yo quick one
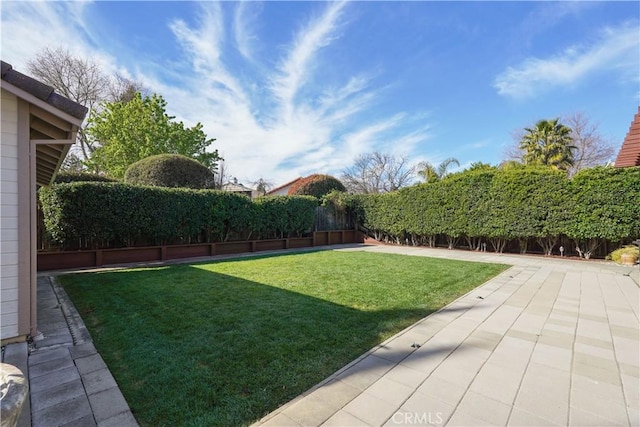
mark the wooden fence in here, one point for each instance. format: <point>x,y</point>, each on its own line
<point>60,260</point>
<point>329,219</point>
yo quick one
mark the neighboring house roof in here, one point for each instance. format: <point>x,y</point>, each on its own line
<point>53,120</point>
<point>42,91</point>
<point>283,186</point>
<point>629,154</point>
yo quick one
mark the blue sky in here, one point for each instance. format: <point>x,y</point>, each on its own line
<point>293,88</point>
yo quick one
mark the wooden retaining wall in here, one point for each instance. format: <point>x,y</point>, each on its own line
<point>60,260</point>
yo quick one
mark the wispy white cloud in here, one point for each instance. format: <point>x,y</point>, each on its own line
<point>204,45</point>
<point>294,135</point>
<point>546,15</point>
<point>245,20</point>
<point>296,67</point>
<point>262,123</point>
<point>616,48</point>
<point>29,27</point>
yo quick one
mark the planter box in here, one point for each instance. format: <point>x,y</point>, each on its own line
<point>63,260</point>
<point>188,251</point>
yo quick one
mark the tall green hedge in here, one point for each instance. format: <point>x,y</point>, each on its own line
<point>605,207</point>
<point>284,216</point>
<point>508,206</point>
<point>525,203</point>
<point>99,215</point>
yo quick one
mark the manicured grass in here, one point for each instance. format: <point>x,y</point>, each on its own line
<point>224,343</point>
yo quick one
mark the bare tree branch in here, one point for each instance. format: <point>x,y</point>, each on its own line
<point>221,176</point>
<point>123,89</point>
<point>262,186</point>
<point>82,81</point>
<point>377,173</point>
<point>591,147</point>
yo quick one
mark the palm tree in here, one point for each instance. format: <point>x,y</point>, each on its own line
<point>548,143</point>
<point>432,173</point>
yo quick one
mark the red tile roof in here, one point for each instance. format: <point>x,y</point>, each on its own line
<point>629,154</point>
<point>275,190</point>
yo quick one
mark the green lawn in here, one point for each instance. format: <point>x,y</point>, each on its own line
<point>224,343</point>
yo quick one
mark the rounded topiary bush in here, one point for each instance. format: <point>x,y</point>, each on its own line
<point>169,170</point>
<point>66,177</point>
<point>316,185</point>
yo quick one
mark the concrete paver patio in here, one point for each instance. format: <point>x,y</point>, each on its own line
<point>547,342</point>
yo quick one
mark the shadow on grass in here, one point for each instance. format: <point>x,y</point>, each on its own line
<point>190,346</point>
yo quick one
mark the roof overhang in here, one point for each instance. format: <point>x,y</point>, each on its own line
<point>52,131</point>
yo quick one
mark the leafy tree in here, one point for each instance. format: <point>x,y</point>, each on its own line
<point>130,131</point>
<point>591,148</point>
<point>431,173</point>
<point>377,173</point>
<point>548,143</point>
<point>84,82</point>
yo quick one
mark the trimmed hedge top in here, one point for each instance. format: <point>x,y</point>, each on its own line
<point>169,170</point>
<point>65,177</point>
<point>316,185</point>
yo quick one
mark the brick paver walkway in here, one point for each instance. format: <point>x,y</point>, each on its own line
<point>547,342</point>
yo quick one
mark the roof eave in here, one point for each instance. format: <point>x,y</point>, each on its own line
<point>21,93</point>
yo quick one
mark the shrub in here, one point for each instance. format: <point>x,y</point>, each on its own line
<point>615,255</point>
<point>66,177</point>
<point>169,170</point>
<point>316,185</point>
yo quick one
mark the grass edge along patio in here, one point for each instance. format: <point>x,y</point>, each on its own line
<point>226,342</point>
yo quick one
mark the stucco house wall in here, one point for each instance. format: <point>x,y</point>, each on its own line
<point>9,218</point>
